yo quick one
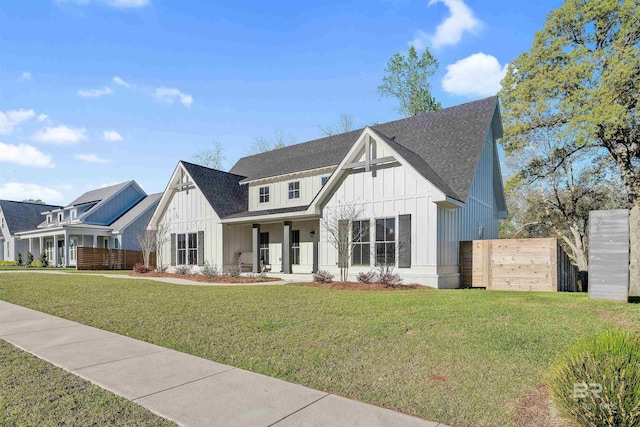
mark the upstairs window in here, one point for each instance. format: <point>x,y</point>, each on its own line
<point>60,217</point>
<point>48,219</point>
<point>73,214</point>
<point>264,194</point>
<point>294,190</point>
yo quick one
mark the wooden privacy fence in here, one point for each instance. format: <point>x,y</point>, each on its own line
<point>109,259</point>
<point>517,265</point>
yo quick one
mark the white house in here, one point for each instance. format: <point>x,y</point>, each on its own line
<point>109,217</point>
<point>422,184</point>
<point>14,218</point>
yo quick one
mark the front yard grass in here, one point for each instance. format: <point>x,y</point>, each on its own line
<point>462,357</point>
<point>36,393</point>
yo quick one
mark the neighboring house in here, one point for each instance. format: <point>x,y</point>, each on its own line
<point>14,218</point>
<point>109,217</point>
<point>423,184</point>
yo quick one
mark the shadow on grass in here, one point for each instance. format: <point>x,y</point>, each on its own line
<point>634,299</point>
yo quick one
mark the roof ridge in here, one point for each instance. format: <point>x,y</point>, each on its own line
<point>29,203</point>
<point>211,169</point>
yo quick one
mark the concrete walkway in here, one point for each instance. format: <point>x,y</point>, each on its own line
<point>186,389</point>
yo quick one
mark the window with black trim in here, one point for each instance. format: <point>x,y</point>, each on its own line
<point>187,249</point>
<point>386,242</point>
<point>264,248</point>
<point>360,237</point>
<point>264,194</point>
<point>294,190</point>
<point>295,247</point>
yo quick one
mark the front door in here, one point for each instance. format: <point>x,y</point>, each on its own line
<point>61,252</point>
<point>73,250</point>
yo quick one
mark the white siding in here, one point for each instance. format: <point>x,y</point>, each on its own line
<point>310,185</point>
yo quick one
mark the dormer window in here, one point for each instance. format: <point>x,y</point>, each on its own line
<point>264,194</point>
<point>294,190</point>
<point>48,219</point>
<point>73,214</point>
<point>60,217</point>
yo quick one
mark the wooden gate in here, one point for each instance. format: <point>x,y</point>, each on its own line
<point>539,265</point>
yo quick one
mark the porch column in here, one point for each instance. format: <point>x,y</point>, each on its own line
<point>95,241</point>
<point>31,245</point>
<point>66,249</point>
<point>286,248</point>
<point>55,250</point>
<point>40,248</point>
<point>255,238</point>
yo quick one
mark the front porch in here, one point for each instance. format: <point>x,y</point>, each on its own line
<point>277,247</point>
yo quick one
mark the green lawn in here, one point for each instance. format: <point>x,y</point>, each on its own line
<point>462,357</point>
<point>64,270</point>
<point>36,393</point>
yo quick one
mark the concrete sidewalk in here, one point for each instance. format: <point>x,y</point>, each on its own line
<point>186,389</point>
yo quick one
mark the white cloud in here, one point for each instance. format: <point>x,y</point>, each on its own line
<point>94,93</point>
<point>43,118</point>
<point>13,118</point>
<point>479,74</point>
<point>450,31</point>
<point>24,155</point>
<point>61,135</point>
<point>117,80</point>
<point>91,158</point>
<point>170,95</point>
<point>111,135</point>
<point>25,75</point>
<point>22,191</point>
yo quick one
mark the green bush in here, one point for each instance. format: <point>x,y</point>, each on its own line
<point>597,381</point>
<point>234,273</point>
<point>19,258</point>
<point>44,261</point>
<point>210,271</point>
<point>36,263</point>
<point>7,263</point>
<point>29,259</point>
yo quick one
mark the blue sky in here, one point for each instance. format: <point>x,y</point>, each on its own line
<point>94,92</point>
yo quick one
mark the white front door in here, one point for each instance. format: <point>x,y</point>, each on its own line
<point>73,250</point>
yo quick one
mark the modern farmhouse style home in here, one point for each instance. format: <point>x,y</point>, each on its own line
<point>420,185</point>
<point>14,218</point>
<point>109,217</point>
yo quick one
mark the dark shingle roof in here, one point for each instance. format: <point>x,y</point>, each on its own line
<point>443,145</point>
<point>222,189</point>
<point>98,194</point>
<point>23,216</point>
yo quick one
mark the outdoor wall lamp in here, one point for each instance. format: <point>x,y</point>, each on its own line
<point>312,233</point>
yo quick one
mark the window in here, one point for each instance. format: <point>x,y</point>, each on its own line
<point>48,219</point>
<point>386,242</point>
<point>73,248</point>
<point>294,190</point>
<point>187,249</point>
<point>361,254</point>
<point>264,194</point>
<point>48,250</point>
<point>264,248</point>
<point>324,180</point>
<point>116,243</point>
<point>60,217</point>
<point>295,247</point>
<point>73,214</point>
<point>193,248</point>
<point>106,243</point>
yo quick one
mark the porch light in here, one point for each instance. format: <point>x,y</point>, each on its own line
<point>312,233</point>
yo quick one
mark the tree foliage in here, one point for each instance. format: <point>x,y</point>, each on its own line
<point>213,157</point>
<point>407,79</point>
<point>582,75</point>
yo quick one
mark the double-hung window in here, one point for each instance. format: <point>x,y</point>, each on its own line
<point>295,247</point>
<point>386,242</point>
<point>182,249</point>
<point>187,249</point>
<point>360,240</point>
<point>294,190</point>
<point>264,194</point>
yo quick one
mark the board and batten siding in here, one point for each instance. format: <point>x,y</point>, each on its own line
<point>388,192</point>
<point>115,207</point>
<point>310,185</point>
<point>190,212</point>
<point>478,219</point>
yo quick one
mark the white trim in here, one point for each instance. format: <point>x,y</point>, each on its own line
<point>281,177</point>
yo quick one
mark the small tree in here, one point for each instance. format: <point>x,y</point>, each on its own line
<point>162,236</point>
<point>212,158</point>
<point>29,259</point>
<point>147,242</point>
<point>341,234</point>
<point>345,124</point>
<point>19,258</point>
<point>262,144</point>
<point>44,260</point>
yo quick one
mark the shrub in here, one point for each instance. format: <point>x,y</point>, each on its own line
<point>36,263</point>
<point>44,262</point>
<point>388,278</point>
<point>323,276</point>
<point>209,271</point>
<point>140,268</point>
<point>29,259</point>
<point>7,263</point>
<point>597,381</point>
<point>234,273</point>
<point>19,258</point>
<point>367,277</point>
<point>183,270</point>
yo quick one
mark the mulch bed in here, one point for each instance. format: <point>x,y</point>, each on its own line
<point>223,278</point>
<point>357,286</point>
